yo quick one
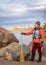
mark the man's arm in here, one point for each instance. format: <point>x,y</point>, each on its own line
<point>28,33</point>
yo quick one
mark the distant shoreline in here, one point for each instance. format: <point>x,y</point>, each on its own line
<point>20,29</point>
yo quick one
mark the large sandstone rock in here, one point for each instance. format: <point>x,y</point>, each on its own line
<point>12,46</point>
<point>6,37</point>
<point>12,51</point>
<point>10,37</point>
<point>44,48</point>
<point>6,51</point>
<point>4,30</point>
<point>44,28</point>
<point>7,54</point>
<point>26,51</point>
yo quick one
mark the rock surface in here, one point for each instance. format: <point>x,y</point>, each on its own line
<point>6,37</point>
<point>6,51</point>
<point>26,51</point>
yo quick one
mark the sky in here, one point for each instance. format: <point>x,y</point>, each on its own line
<point>21,12</point>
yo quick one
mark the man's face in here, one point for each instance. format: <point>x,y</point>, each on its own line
<point>37,26</point>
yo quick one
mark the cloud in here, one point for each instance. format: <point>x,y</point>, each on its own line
<point>17,10</point>
<point>12,10</point>
<point>19,7</point>
<point>21,11</point>
<point>42,2</point>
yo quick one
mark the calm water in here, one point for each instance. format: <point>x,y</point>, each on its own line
<point>26,39</point>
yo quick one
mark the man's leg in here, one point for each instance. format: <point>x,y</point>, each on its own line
<point>34,47</point>
<point>40,53</point>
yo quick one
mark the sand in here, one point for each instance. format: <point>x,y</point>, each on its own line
<point>18,63</point>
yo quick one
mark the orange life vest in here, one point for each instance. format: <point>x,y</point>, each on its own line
<point>39,35</point>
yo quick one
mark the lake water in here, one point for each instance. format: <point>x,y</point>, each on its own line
<point>25,39</point>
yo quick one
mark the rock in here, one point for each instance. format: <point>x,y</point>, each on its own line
<point>2,51</point>
<point>1,36</point>
<point>6,51</point>
<point>44,28</point>
<point>6,37</point>
<point>7,54</point>
<point>12,46</point>
<point>4,42</point>
<point>11,38</point>
<point>44,48</point>
<point>26,51</point>
<point>2,59</point>
<point>2,29</point>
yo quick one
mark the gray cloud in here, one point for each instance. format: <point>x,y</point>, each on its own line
<point>12,11</point>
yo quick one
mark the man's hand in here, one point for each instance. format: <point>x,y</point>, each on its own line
<point>41,44</point>
<point>23,33</point>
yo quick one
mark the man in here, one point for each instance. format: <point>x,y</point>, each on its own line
<point>38,39</point>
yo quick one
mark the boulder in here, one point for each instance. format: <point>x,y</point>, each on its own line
<point>2,50</point>
<point>2,29</point>
<point>6,51</point>
<point>44,48</point>
<point>44,28</point>
<point>6,37</point>
<point>4,42</point>
<point>7,54</point>
<point>12,46</point>
<point>26,51</point>
<point>11,38</point>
